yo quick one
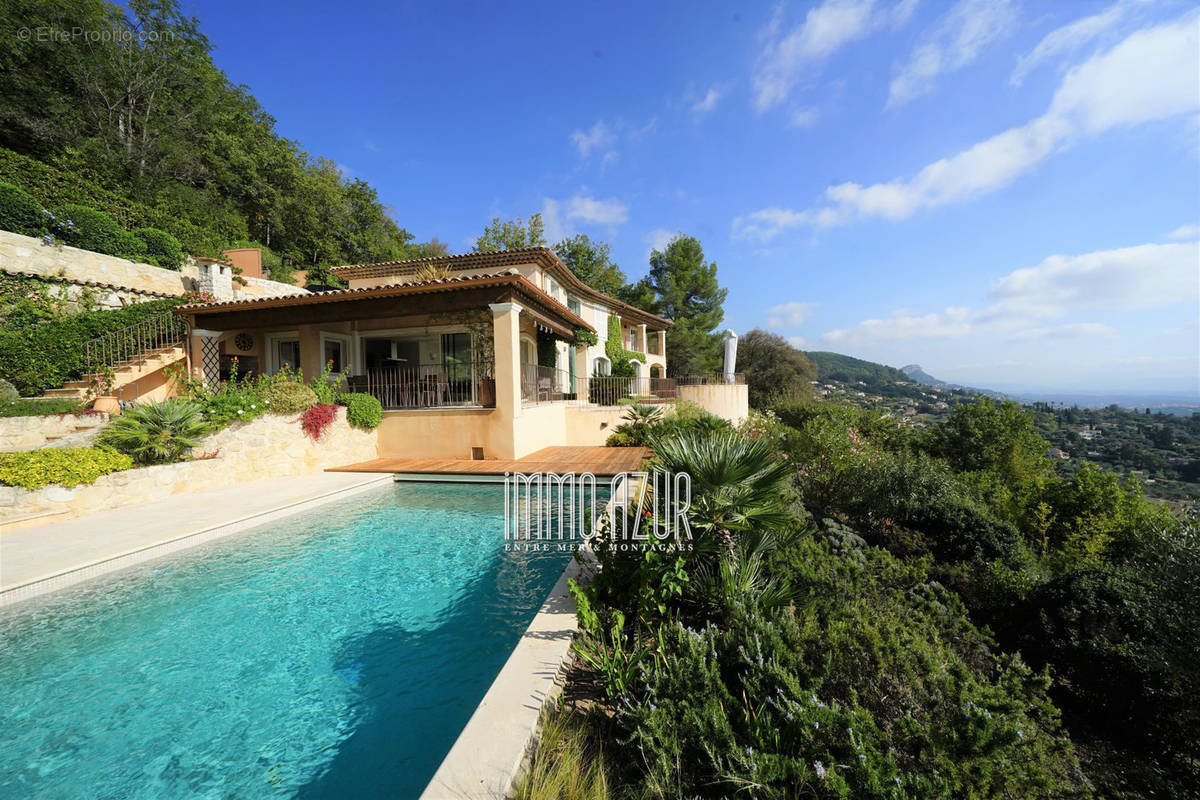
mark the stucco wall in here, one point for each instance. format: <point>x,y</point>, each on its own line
<point>53,430</point>
<point>727,401</point>
<point>442,434</point>
<point>451,433</point>
<point>268,447</point>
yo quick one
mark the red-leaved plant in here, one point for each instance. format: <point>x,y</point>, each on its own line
<point>314,421</point>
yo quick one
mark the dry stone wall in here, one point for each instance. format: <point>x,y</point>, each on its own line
<point>112,279</point>
<point>55,430</point>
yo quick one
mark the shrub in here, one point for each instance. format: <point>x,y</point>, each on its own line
<point>162,249</point>
<point>285,396</point>
<point>362,410</point>
<point>34,469</point>
<point>89,229</point>
<point>20,213</point>
<point>317,419</point>
<point>42,356</point>
<point>157,433</point>
<point>874,685</point>
<point>25,407</point>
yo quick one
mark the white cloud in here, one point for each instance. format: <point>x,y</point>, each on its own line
<point>555,227</point>
<point>767,223</point>
<point>591,211</point>
<point>658,238</point>
<point>1185,232</point>
<point>599,138</point>
<point>1149,76</point>
<point>797,342</point>
<point>789,315</point>
<point>709,102</point>
<point>903,324</point>
<point>955,41</point>
<point>1077,330</point>
<point>804,117</point>
<point>1145,276</point>
<point>827,27</point>
<point>1069,38</point>
<point>559,216</point>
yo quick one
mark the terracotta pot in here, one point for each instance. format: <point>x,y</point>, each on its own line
<point>487,392</point>
<point>110,405</point>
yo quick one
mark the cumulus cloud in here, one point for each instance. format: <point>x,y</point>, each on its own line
<point>1185,232</point>
<point>599,138</point>
<point>1069,38</point>
<point>1151,75</point>
<point>1128,278</point>
<point>560,216</point>
<point>797,342</point>
<point>591,211</point>
<point>789,315</point>
<point>827,27</point>
<point>954,42</point>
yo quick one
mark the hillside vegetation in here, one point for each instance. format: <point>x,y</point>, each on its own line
<point>143,125</point>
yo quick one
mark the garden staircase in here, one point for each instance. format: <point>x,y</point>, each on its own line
<point>130,354</point>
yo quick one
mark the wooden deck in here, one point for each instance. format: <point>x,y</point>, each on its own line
<point>559,460</point>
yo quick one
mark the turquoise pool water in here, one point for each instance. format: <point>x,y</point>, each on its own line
<point>335,654</point>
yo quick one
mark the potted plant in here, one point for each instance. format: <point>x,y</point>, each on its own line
<point>101,391</point>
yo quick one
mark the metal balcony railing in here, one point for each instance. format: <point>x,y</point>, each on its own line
<point>429,385</point>
<point>118,347</point>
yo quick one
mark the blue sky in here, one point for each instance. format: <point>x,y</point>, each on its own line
<point>1007,193</point>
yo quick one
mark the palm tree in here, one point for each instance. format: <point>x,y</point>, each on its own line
<point>156,433</point>
<point>738,484</point>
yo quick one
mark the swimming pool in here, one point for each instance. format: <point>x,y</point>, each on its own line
<point>334,654</point>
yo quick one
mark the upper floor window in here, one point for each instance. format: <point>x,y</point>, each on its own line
<point>573,304</point>
<point>553,289</point>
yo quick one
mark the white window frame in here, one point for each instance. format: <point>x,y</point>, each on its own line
<point>273,340</point>
<point>347,353</point>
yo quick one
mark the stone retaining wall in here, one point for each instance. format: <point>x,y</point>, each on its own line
<point>54,430</point>
<point>112,279</point>
<point>268,447</point>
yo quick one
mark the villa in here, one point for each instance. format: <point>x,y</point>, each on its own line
<point>475,356</point>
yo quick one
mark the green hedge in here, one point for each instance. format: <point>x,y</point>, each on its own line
<point>89,229</point>
<point>34,469</point>
<point>40,357</point>
<point>19,212</point>
<point>162,249</point>
<point>362,410</point>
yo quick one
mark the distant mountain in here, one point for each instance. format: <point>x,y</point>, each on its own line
<point>847,369</point>
<point>919,375</point>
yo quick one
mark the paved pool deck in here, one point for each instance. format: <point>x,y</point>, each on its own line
<point>48,557</point>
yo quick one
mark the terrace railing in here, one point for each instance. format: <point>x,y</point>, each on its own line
<point>133,341</point>
<point>429,385</point>
<point>711,379</point>
<point>611,390</point>
<point>544,384</point>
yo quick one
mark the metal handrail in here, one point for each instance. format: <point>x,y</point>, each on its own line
<point>126,344</point>
<point>429,385</point>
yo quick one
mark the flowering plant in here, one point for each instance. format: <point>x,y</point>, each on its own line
<point>316,420</point>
